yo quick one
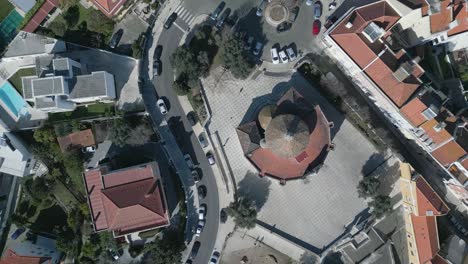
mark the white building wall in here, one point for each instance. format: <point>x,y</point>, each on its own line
<point>17,161</point>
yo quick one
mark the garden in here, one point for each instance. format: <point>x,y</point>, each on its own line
<point>15,79</point>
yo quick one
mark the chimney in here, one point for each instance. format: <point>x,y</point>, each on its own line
<point>349,24</point>
<point>440,126</point>
<point>405,70</point>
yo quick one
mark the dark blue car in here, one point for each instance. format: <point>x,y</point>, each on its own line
<point>17,233</point>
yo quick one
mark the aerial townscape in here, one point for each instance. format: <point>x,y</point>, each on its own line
<point>235,131</point>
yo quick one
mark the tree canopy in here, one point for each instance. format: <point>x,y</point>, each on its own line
<point>368,186</point>
<point>234,57</point>
<point>381,205</point>
<point>244,212</point>
<point>166,250</point>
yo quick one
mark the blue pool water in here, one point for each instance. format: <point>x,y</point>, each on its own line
<point>12,99</point>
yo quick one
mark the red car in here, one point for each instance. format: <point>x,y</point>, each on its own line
<point>316,27</point>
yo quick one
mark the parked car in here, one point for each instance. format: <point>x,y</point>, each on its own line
<point>170,20</point>
<point>274,55</point>
<point>309,2</point>
<point>195,248</point>
<point>218,10</point>
<point>261,8</point>
<point>317,9</point>
<point>214,257</point>
<point>210,157</point>
<point>202,212</point>
<point>116,39</point>
<point>189,261</point>
<point>223,18</point>
<point>162,106</point>
<point>202,191</point>
<point>200,226</point>
<point>283,27</point>
<point>157,68</point>
<point>223,216</point>
<point>89,149</point>
<point>291,54</point>
<point>258,48</point>
<point>189,161</point>
<point>316,27</point>
<point>195,176</point>
<point>17,233</point>
<point>202,139</point>
<point>192,118</point>
<point>294,13</point>
<point>284,58</point>
<point>249,45</point>
<point>115,255</point>
<point>157,52</point>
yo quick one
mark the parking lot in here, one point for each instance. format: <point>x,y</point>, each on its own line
<point>311,211</point>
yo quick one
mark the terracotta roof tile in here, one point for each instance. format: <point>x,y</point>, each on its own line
<point>427,239</point>
<point>438,260</point>
<point>448,153</point>
<point>398,92</point>
<point>356,48</point>
<point>460,13</point>
<point>412,111</point>
<point>11,257</point>
<point>109,7</point>
<point>428,199</point>
<point>438,136</point>
<point>440,21</point>
<point>132,201</point>
<point>84,138</point>
<point>40,15</point>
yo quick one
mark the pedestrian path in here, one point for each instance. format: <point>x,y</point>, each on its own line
<point>184,14</point>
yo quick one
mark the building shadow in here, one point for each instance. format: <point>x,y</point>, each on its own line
<point>182,137</point>
<point>254,188</point>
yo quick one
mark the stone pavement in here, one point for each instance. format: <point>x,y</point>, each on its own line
<point>311,212</point>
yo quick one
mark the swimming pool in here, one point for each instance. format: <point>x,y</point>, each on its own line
<point>8,26</point>
<point>12,99</point>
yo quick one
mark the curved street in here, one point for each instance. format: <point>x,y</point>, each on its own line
<point>182,140</point>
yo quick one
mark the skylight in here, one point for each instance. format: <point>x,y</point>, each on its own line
<point>373,32</point>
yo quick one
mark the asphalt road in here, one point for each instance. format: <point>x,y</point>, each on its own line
<point>188,141</point>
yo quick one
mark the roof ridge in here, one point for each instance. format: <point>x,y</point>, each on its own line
<point>120,185</point>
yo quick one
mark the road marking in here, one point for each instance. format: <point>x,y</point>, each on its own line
<point>182,13</point>
<point>191,20</point>
<point>177,25</point>
<point>178,8</point>
<point>190,16</point>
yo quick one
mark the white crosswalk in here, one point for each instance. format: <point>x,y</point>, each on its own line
<point>184,14</point>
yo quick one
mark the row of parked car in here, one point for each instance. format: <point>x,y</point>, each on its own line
<point>284,55</point>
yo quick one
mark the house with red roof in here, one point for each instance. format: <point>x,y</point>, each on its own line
<point>422,207</point>
<point>48,7</point>
<point>126,201</point>
<point>80,139</point>
<point>109,7</point>
<point>40,250</point>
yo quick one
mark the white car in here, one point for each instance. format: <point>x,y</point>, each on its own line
<point>309,2</point>
<point>189,161</point>
<point>284,58</point>
<point>200,226</point>
<point>274,56</point>
<point>202,212</point>
<point>258,48</point>
<point>162,106</point>
<point>214,257</point>
<point>291,54</point>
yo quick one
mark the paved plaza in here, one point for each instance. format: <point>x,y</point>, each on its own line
<point>312,211</point>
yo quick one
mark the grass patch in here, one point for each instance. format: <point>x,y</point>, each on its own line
<point>62,194</point>
<point>5,10</point>
<point>81,112</point>
<point>149,234</point>
<point>15,80</point>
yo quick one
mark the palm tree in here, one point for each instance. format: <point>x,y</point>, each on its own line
<point>244,212</point>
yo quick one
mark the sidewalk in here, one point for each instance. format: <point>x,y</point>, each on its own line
<point>225,187</point>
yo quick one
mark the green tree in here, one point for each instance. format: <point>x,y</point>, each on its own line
<point>88,250</point>
<point>180,87</point>
<point>187,64</point>
<point>18,220</point>
<point>234,57</point>
<point>98,22</point>
<point>58,28</point>
<point>381,205</point>
<point>44,135</point>
<point>166,250</point>
<point>72,16</point>
<point>368,186</point>
<point>39,188</point>
<point>107,240</point>
<point>120,132</point>
<point>244,212</point>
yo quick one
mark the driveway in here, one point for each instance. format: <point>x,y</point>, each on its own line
<point>132,27</point>
<point>313,211</point>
